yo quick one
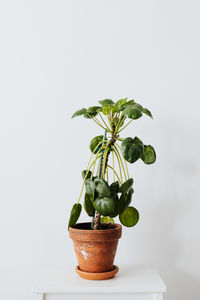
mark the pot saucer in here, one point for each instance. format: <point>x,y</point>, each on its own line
<point>98,276</point>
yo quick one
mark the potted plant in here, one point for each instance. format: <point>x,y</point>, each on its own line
<point>108,187</point>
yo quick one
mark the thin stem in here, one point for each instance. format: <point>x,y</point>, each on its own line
<point>86,177</point>
<point>107,174</point>
<point>104,159</point>
<point>96,153</point>
<point>124,160</point>
<point>118,124</point>
<point>124,126</point>
<point>120,181</point>
<point>119,139</point>
<point>95,118</point>
<point>120,170</point>
<point>121,162</point>
<point>109,120</point>
<point>98,167</point>
<point>113,164</point>
<point>105,123</point>
<point>96,121</point>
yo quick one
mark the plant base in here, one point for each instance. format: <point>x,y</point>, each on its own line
<point>97,276</point>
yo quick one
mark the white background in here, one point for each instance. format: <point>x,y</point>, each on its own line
<point>59,56</point>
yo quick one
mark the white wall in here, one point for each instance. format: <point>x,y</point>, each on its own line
<point>59,56</point>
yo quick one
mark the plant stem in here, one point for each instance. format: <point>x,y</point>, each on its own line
<point>113,163</point>
<point>124,161</point>
<point>105,158</point>
<point>105,123</point>
<point>96,121</point>
<point>96,153</point>
<point>107,174</point>
<point>121,162</point>
<point>120,170</point>
<point>118,124</point>
<point>95,224</point>
<point>86,177</point>
<point>124,126</point>
<point>115,173</point>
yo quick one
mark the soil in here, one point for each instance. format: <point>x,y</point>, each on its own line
<point>87,226</point>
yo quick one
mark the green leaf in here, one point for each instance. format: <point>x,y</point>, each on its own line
<point>121,102</point>
<point>149,155</point>
<point>106,110</point>
<point>132,149</point>
<point>147,112</point>
<point>107,102</point>
<point>116,207</point>
<point>79,112</point>
<point>90,188</point>
<point>94,109</point>
<point>94,142</point>
<point>75,214</point>
<point>122,202</point>
<point>84,172</point>
<point>139,106</point>
<point>107,220</point>
<point>129,197</point>
<point>88,205</point>
<point>105,206</point>
<point>122,107</point>
<point>90,115</point>
<point>129,217</point>
<point>125,187</point>
<point>114,188</point>
<point>132,112</point>
<point>102,187</point>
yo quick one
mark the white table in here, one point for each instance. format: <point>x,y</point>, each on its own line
<point>135,282</point>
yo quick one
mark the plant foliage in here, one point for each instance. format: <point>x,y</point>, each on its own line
<point>101,197</point>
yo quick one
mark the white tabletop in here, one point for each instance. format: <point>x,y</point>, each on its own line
<point>130,279</point>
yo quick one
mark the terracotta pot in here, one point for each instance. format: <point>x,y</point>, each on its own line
<point>95,249</point>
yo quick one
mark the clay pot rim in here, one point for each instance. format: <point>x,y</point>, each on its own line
<point>116,227</point>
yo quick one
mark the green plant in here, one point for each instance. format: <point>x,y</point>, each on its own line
<point>104,201</point>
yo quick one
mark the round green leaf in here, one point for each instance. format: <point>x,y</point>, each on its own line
<point>149,155</point>
<point>84,172</point>
<point>132,149</point>
<point>88,205</point>
<point>79,112</point>
<point>90,188</point>
<point>114,188</point>
<point>106,102</point>
<point>75,213</point>
<point>124,188</point>
<point>105,206</point>
<point>94,142</point>
<point>107,220</point>
<point>102,187</point>
<point>132,112</point>
<point>129,217</point>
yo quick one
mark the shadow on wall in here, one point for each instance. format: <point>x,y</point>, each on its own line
<point>180,285</point>
<point>175,215</point>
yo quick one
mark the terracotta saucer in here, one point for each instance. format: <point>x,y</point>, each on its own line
<point>97,276</point>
